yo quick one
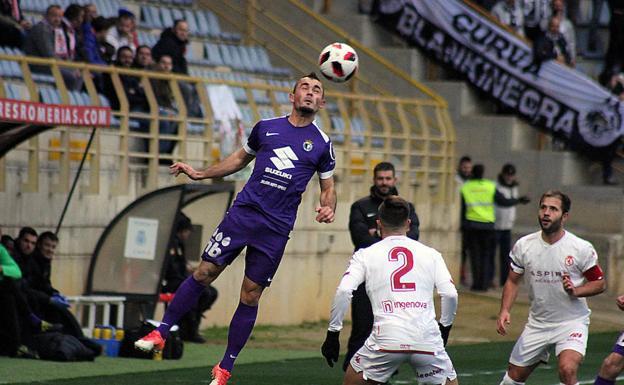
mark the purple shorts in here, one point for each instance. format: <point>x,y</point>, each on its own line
<point>243,227</point>
<point>619,345</point>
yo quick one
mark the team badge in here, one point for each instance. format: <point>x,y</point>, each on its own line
<point>308,145</point>
<point>569,261</point>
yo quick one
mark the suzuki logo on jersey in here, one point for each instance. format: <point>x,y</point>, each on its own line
<point>284,158</point>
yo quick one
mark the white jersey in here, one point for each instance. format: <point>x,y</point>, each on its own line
<point>543,266</point>
<point>401,275</point>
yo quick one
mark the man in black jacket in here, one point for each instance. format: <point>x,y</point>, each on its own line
<point>364,233</point>
<point>178,269</point>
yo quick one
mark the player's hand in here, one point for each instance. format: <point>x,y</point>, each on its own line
<point>620,302</point>
<point>504,320</point>
<point>445,331</point>
<point>568,286</point>
<point>325,214</point>
<point>183,168</point>
<point>331,348</point>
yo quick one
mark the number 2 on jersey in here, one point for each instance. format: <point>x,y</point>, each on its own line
<point>397,254</point>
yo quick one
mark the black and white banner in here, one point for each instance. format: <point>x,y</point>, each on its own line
<point>549,95</point>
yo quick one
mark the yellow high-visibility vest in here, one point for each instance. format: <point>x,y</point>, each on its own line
<point>479,199</point>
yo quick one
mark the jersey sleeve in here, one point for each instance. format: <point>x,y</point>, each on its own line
<point>351,279</point>
<point>516,258</point>
<point>589,258</point>
<point>253,142</point>
<point>327,162</point>
<point>447,291</point>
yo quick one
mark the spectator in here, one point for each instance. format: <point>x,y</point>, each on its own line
<point>12,24</point>
<point>509,13</point>
<point>558,10</point>
<point>88,50</point>
<point>101,50</point>
<point>552,45</point>
<point>534,12</point>
<point>143,58</point>
<point>91,12</point>
<point>507,186</point>
<point>123,33</point>
<point>616,85</point>
<point>73,18</point>
<point>176,271</point>
<point>464,171</point>
<point>166,103</point>
<point>51,38</point>
<point>131,84</point>
<point>33,258</point>
<point>614,57</point>
<point>173,42</point>
<point>8,242</point>
<point>478,198</point>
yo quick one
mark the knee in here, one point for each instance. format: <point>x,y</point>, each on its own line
<point>205,275</point>
<point>612,366</point>
<point>250,298</point>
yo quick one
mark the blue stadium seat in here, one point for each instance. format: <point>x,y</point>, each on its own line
<point>166,17</point>
<point>189,16</point>
<point>213,55</point>
<point>202,23</point>
<point>177,14</point>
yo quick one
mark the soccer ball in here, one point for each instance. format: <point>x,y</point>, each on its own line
<point>338,62</point>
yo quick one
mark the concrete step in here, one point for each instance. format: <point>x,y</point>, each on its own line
<point>462,98</point>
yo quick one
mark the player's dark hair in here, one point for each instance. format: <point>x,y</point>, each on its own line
<point>26,231</point>
<point>477,171</point>
<point>73,11</point>
<point>394,212</point>
<point>383,166</point>
<point>47,235</point>
<point>566,203</point>
<point>311,75</point>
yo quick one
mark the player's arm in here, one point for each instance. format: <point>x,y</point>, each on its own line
<point>233,163</point>
<point>510,292</point>
<point>327,208</point>
<point>351,279</point>
<point>448,298</point>
<point>594,283</point>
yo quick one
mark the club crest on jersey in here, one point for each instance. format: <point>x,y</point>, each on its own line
<point>308,145</point>
<point>569,260</point>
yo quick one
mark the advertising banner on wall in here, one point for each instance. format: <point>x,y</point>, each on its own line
<point>550,95</point>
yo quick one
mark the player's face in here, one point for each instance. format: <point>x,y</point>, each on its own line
<point>48,248</point>
<point>27,244</point>
<point>551,218</point>
<point>384,182</point>
<point>308,96</point>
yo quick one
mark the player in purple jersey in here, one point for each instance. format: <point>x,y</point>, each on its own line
<point>288,151</point>
<point>613,365</point>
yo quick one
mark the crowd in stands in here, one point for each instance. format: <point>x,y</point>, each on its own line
<point>34,313</point>
<point>78,33</point>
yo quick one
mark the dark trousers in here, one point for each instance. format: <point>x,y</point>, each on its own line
<point>189,323</point>
<point>481,244</point>
<point>15,329</point>
<point>615,53</point>
<point>503,239</point>
<point>362,323</point>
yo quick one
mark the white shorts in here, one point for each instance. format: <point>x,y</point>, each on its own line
<point>535,341</point>
<point>379,366</point>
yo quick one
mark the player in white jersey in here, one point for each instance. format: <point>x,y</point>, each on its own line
<point>614,363</point>
<point>560,269</point>
<point>401,275</point>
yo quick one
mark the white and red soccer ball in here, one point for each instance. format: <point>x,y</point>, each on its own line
<point>338,62</point>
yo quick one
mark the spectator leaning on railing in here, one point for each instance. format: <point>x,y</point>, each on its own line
<point>143,58</point>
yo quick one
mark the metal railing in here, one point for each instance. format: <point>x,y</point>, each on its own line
<point>416,134</point>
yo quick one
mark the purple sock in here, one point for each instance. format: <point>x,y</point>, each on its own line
<point>240,329</point>
<point>185,298</point>
<point>602,381</point>
<point>34,320</point>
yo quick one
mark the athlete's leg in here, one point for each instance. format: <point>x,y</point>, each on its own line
<point>569,362</point>
<point>353,378</point>
<point>242,322</point>
<point>611,367</point>
<point>187,294</point>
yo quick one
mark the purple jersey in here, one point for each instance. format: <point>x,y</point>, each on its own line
<point>286,159</point>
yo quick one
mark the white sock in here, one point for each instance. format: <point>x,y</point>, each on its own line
<point>508,381</point>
